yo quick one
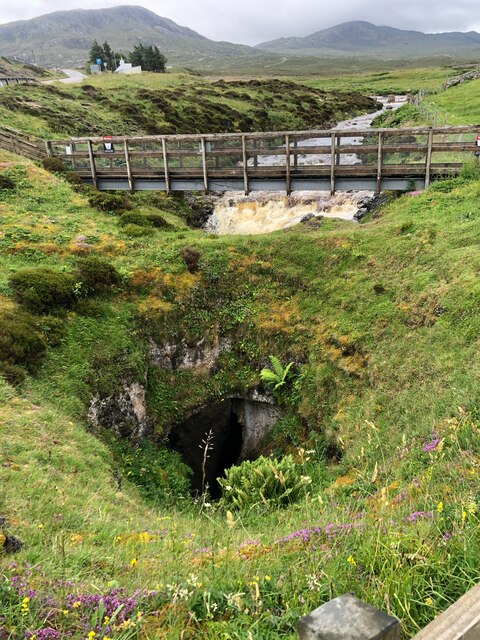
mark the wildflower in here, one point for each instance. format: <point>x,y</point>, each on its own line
<point>133,562</point>
<point>440,507</point>
<point>267,578</point>
<point>24,606</point>
<point>464,516</point>
<point>431,446</point>
<point>76,604</point>
<point>91,635</point>
<point>428,602</point>
<point>351,560</point>
<point>106,620</point>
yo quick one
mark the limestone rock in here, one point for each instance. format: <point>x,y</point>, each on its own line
<point>201,357</point>
<point>125,413</point>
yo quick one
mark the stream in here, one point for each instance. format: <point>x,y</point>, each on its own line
<point>267,211</point>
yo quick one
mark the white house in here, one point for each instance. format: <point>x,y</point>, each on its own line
<point>127,68</point>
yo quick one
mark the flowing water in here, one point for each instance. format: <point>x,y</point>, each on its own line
<point>267,211</point>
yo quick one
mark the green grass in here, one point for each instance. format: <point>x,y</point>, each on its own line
<point>462,103</point>
<point>382,322</point>
<point>173,103</point>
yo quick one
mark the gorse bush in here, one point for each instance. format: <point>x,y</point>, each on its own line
<point>96,275</point>
<point>264,481</point>
<point>42,290</point>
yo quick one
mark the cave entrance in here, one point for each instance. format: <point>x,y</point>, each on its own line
<point>219,425</point>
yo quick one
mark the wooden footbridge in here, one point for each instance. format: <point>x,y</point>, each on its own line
<point>333,160</point>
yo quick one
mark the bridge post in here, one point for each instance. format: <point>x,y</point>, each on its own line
<point>332,164</point>
<point>165,165</point>
<point>379,162</point>
<point>129,168</point>
<point>48,148</point>
<point>204,164</point>
<point>287,166</point>
<point>92,164</point>
<point>428,163</point>
<point>245,165</point>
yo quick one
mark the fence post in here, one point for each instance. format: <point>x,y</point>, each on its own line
<point>348,618</point>
<point>245,165</point>
<point>379,162</point>
<point>204,164</point>
<point>332,165</point>
<point>129,167</point>
<point>429,159</point>
<point>287,165</point>
<point>165,165</point>
<point>92,164</point>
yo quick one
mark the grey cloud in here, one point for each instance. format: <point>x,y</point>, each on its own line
<point>253,21</point>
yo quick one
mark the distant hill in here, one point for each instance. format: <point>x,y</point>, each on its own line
<point>63,38</point>
<point>367,39</point>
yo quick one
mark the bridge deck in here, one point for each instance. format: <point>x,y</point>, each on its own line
<point>373,159</point>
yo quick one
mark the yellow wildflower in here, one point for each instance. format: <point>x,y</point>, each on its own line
<point>440,507</point>
<point>267,578</point>
<point>133,562</point>
<point>76,604</point>
<point>428,602</point>
<point>106,620</point>
<point>351,560</point>
<point>91,635</point>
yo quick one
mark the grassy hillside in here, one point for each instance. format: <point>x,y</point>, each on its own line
<point>381,322</point>
<point>173,103</point>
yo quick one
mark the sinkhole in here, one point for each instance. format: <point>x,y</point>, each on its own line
<point>220,435</point>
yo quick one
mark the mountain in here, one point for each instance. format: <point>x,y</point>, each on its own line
<point>365,38</point>
<point>63,38</point>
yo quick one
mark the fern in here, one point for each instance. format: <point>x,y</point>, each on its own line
<point>278,376</point>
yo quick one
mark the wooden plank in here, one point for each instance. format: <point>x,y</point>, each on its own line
<point>288,182</point>
<point>165,165</point>
<point>332,164</point>
<point>429,159</point>
<point>204,164</point>
<point>295,153</point>
<point>460,622</point>
<point>379,162</point>
<point>314,133</point>
<point>129,168</point>
<point>93,169</point>
<point>48,148</point>
<point>245,165</point>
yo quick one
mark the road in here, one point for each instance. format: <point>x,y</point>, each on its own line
<point>74,77</point>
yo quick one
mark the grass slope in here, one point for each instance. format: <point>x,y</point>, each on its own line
<point>382,322</point>
<point>172,103</point>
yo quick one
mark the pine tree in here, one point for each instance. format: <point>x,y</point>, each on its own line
<point>108,56</point>
<point>95,53</point>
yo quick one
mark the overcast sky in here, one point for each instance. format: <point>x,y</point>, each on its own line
<point>254,21</point>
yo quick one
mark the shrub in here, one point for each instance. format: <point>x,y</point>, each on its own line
<point>96,275</point>
<point>6,183</point>
<point>134,217</point>
<point>136,231</point>
<point>264,481</point>
<point>42,290</point>
<point>13,373</point>
<point>158,221</point>
<point>54,165</point>
<point>109,202</point>
<point>21,345</point>
<point>191,258</point>
<point>471,169</point>
<point>278,375</point>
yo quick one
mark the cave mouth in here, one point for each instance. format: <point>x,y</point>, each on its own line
<point>219,425</point>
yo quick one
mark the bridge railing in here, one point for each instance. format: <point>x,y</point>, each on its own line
<point>22,144</point>
<point>207,161</point>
